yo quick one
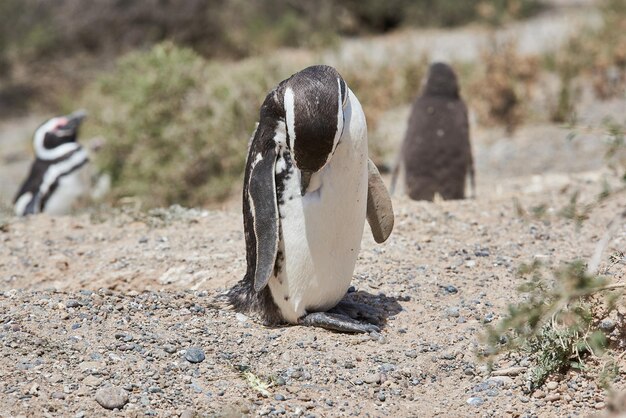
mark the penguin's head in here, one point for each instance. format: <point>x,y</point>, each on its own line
<point>314,99</point>
<point>57,136</point>
<point>441,81</point>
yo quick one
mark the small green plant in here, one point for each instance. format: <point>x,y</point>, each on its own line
<point>575,211</point>
<point>557,323</point>
<point>256,383</point>
<point>616,150</point>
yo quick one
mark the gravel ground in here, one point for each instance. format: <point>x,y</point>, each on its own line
<point>119,311</point>
<point>115,313</point>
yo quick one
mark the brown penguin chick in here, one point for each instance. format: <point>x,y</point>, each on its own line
<point>436,152</point>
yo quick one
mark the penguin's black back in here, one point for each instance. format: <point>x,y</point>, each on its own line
<point>34,179</point>
<point>243,296</point>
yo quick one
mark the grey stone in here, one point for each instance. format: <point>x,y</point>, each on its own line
<point>475,401</point>
<point>453,312</point>
<point>112,397</point>
<point>194,355</point>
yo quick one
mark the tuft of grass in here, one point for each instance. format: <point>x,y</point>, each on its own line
<point>575,211</point>
<point>616,150</point>
<point>557,324</point>
<point>258,384</point>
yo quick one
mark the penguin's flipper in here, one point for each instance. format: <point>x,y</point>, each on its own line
<point>379,207</point>
<point>264,207</point>
<point>33,205</point>
<point>337,322</point>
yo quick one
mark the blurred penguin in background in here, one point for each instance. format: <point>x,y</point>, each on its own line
<point>55,181</point>
<point>436,154</point>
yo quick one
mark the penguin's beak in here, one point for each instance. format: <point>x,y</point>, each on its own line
<point>305,179</point>
<point>76,118</point>
<point>74,121</point>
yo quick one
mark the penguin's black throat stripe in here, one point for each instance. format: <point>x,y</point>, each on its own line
<point>45,177</point>
<point>80,162</point>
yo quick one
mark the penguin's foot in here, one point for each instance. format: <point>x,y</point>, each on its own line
<point>358,311</point>
<point>337,322</point>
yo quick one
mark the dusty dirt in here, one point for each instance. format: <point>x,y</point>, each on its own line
<point>98,300</point>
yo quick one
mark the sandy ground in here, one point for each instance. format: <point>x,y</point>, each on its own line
<point>120,299</point>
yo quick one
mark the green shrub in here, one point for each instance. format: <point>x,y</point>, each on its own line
<point>175,125</point>
<point>558,322</point>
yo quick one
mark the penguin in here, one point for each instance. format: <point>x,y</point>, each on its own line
<point>308,188</point>
<point>436,153</point>
<point>54,183</point>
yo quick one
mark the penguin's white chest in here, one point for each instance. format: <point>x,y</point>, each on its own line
<point>69,189</point>
<point>321,232</point>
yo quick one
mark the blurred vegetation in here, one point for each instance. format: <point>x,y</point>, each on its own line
<point>500,88</point>
<point>176,126</point>
<point>232,28</point>
<point>597,55</point>
<point>177,114</point>
<point>46,47</point>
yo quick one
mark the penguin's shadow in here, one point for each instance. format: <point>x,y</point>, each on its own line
<point>376,309</point>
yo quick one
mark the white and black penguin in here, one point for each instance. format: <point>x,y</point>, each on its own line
<point>54,182</point>
<point>309,186</point>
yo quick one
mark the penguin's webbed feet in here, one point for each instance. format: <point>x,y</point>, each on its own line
<point>337,322</point>
<point>358,311</point>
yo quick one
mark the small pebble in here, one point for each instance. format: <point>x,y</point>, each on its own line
<point>553,397</point>
<point>372,378</point>
<point>279,397</point>
<point>488,318</point>
<point>539,394</point>
<point>475,401</point>
<point>381,397</point>
<point>453,312</point>
<point>450,289</point>
<point>72,303</point>
<point>112,397</point>
<point>607,325</point>
<point>552,385</point>
<point>169,348</point>
<point>411,353</point>
<point>194,355</point>
<point>57,395</point>
<point>599,405</point>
